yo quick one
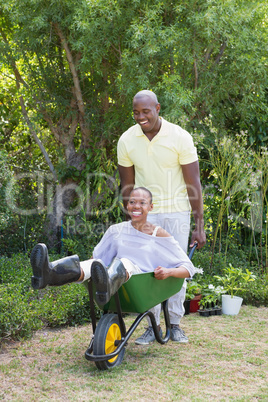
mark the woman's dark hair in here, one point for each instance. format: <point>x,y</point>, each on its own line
<point>143,189</point>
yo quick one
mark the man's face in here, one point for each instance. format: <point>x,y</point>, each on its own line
<point>146,114</point>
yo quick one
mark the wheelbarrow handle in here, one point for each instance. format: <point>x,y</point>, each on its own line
<point>191,253</point>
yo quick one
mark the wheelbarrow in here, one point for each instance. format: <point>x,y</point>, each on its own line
<point>139,294</point>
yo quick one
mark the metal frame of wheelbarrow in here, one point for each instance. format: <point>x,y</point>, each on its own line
<point>122,302</point>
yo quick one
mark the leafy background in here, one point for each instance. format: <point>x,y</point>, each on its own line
<point>69,70</point>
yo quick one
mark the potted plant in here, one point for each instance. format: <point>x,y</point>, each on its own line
<point>192,297</point>
<point>204,304</point>
<point>216,293</point>
<point>233,282</point>
<point>209,302</point>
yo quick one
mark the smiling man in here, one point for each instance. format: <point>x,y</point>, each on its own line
<point>161,156</point>
<point>146,113</point>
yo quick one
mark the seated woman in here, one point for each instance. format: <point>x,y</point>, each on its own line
<point>125,249</point>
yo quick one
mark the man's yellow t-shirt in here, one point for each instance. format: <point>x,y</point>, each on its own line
<point>158,163</point>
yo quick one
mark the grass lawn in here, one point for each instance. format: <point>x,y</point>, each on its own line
<point>225,360</point>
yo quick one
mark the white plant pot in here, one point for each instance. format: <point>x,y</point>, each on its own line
<point>231,305</point>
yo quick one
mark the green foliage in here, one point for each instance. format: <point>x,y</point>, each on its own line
<point>119,48</point>
<point>235,280</point>
<point>211,295</point>
<point>18,317</point>
<point>75,66</point>
<point>235,194</point>
<point>5,177</point>
<point>16,270</point>
<point>23,310</point>
<point>20,221</point>
<point>236,255</point>
<point>231,169</point>
<point>209,300</point>
<point>193,288</point>
<point>256,293</point>
<point>68,305</point>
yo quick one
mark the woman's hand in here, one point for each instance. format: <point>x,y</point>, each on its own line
<point>161,272</point>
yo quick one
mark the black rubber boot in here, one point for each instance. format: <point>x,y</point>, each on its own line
<point>107,280</point>
<point>56,273</point>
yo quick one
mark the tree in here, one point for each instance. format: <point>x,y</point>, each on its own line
<point>74,65</point>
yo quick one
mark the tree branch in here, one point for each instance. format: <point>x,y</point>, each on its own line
<point>195,75</point>
<point>78,92</point>
<point>208,54</point>
<point>19,81</point>
<point>222,48</point>
<point>39,143</point>
<point>77,88</point>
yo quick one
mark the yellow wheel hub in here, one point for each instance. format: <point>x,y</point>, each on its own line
<point>113,334</point>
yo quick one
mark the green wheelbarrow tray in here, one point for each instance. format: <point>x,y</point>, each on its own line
<point>138,295</point>
<point>142,292</point>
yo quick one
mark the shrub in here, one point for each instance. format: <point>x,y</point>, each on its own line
<point>18,317</point>
<point>16,270</point>
<point>24,310</point>
<point>235,255</point>
<point>65,305</point>
<point>256,293</point>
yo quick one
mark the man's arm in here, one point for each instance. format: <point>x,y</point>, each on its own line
<point>191,177</point>
<point>127,179</point>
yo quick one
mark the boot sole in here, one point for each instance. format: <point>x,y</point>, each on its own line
<point>100,277</point>
<point>38,258</point>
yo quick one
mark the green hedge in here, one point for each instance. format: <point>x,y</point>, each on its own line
<point>256,293</point>
<point>18,317</point>
<point>24,310</point>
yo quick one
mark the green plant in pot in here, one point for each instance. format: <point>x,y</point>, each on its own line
<point>209,302</point>
<point>193,296</point>
<point>193,289</point>
<point>234,282</point>
<point>204,306</point>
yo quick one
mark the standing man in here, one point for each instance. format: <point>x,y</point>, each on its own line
<point>161,156</point>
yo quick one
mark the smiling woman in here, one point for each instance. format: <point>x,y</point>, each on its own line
<point>115,258</point>
<point>138,206</point>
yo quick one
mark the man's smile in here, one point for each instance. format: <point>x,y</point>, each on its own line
<point>143,122</point>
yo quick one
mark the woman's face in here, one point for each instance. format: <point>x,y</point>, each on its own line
<point>139,205</point>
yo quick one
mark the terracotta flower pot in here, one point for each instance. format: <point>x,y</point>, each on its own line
<point>194,304</point>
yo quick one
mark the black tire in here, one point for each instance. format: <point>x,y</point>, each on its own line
<point>107,331</point>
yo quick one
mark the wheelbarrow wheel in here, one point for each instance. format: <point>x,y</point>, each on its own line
<point>106,336</point>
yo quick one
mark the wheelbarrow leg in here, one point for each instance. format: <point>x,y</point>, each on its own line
<point>92,307</point>
<point>167,323</point>
<point>119,313</point>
